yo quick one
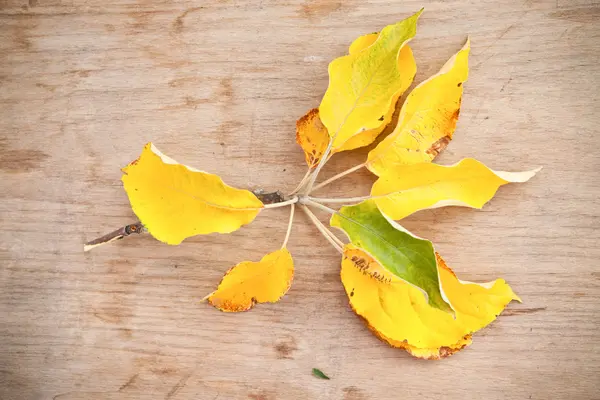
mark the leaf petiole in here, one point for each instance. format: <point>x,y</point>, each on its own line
<point>289,229</point>
<point>293,200</point>
<point>302,182</point>
<point>338,176</point>
<point>329,232</point>
<point>309,202</point>
<point>324,231</point>
<point>324,158</point>
<point>340,200</point>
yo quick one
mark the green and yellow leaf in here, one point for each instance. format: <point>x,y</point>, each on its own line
<point>398,313</point>
<point>407,68</point>
<point>402,254</point>
<point>313,136</point>
<point>405,189</point>
<point>365,85</point>
<point>174,201</point>
<point>250,282</point>
<point>427,119</point>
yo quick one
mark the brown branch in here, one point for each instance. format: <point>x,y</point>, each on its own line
<point>269,198</point>
<point>266,198</point>
<point>115,235</point>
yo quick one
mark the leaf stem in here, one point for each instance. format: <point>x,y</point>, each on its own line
<point>309,202</point>
<point>322,161</point>
<point>289,229</point>
<point>206,297</point>
<point>329,232</point>
<point>293,200</point>
<point>338,176</point>
<point>302,182</point>
<point>324,231</point>
<point>120,233</point>
<point>340,200</point>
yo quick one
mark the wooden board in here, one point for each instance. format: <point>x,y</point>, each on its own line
<point>219,85</point>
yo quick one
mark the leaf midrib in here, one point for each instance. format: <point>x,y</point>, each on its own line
<point>363,90</point>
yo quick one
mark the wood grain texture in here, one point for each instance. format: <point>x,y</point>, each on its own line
<point>219,85</point>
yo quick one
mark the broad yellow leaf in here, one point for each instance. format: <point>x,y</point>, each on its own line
<point>250,282</point>
<point>408,69</point>
<point>427,119</point>
<point>405,189</point>
<point>398,313</point>
<point>174,201</point>
<point>365,85</point>
<point>402,254</point>
<point>313,136</point>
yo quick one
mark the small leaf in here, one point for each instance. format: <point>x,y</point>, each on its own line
<point>250,282</point>
<point>174,201</point>
<point>398,313</point>
<point>402,254</point>
<point>427,119</point>
<point>364,85</point>
<point>319,374</point>
<point>405,189</point>
<point>312,136</point>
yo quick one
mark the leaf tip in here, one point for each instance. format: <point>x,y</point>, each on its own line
<point>516,297</point>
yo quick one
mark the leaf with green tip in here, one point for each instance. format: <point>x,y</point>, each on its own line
<point>364,86</point>
<point>404,255</point>
<point>319,374</point>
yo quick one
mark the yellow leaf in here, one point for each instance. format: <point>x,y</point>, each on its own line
<point>405,189</point>
<point>399,314</point>
<point>365,85</point>
<point>408,68</point>
<point>427,119</point>
<point>174,201</point>
<point>313,136</point>
<point>250,282</point>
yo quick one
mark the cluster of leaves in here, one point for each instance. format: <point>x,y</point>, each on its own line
<point>394,280</point>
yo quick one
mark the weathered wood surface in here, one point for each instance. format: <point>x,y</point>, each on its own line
<point>219,85</point>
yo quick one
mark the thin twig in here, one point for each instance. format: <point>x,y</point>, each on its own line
<point>114,235</point>
<point>289,229</point>
<point>293,200</point>
<point>338,176</point>
<point>340,200</point>
<point>331,234</point>
<point>321,229</point>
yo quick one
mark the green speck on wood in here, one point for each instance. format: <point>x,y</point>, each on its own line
<point>319,374</point>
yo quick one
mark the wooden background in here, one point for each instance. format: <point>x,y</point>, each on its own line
<point>219,85</point>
